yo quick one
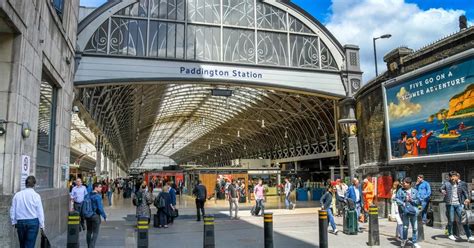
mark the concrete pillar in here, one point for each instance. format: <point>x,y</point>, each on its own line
<point>98,162</point>
<point>106,162</point>
<point>332,168</point>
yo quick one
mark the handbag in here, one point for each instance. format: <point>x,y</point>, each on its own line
<point>467,216</point>
<point>175,213</point>
<point>409,209</point>
<point>44,240</point>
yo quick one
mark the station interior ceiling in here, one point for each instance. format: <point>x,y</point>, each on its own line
<point>198,123</point>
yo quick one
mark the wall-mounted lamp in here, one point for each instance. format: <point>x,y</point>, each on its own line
<point>25,130</point>
<point>75,109</point>
<point>2,128</point>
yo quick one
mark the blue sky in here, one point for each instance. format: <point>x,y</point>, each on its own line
<point>412,23</point>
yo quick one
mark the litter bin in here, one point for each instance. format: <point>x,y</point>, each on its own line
<point>301,195</point>
<point>317,194</point>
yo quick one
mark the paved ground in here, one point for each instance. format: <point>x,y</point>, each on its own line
<point>292,228</point>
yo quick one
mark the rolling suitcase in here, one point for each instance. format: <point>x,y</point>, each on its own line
<point>350,222</point>
<point>255,210</point>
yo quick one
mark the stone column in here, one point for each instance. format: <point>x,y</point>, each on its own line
<point>106,162</point>
<point>98,159</point>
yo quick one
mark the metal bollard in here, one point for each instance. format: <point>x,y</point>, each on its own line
<point>374,237</point>
<point>73,229</point>
<point>323,229</point>
<point>142,234</point>
<point>268,229</point>
<point>209,241</point>
<point>421,228</point>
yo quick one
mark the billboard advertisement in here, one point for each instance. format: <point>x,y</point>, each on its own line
<point>430,113</point>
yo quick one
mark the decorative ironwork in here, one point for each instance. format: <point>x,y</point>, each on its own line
<point>304,51</point>
<point>203,43</point>
<point>128,36</point>
<point>207,11</point>
<point>239,45</point>
<point>239,13</point>
<point>269,17</point>
<point>327,60</point>
<point>99,40</point>
<point>272,48</point>
<point>167,9</point>
<point>298,26</point>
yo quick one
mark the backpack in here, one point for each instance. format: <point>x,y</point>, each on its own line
<point>87,209</point>
<point>137,201</point>
<point>160,202</point>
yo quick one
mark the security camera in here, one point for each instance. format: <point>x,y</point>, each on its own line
<point>75,109</point>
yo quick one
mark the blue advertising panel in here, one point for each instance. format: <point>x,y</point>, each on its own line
<point>432,114</point>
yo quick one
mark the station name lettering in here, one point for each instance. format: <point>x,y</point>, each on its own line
<point>241,74</point>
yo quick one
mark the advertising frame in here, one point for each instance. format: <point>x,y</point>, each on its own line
<point>411,75</point>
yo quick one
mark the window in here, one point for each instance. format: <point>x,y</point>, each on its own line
<point>46,131</point>
<point>58,6</point>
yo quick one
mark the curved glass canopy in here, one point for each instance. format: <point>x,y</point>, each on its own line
<point>244,32</point>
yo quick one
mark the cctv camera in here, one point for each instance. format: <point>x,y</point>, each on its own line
<point>75,109</point>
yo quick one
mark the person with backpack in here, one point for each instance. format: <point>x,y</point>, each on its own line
<point>408,201</point>
<point>200,192</point>
<point>288,189</point>
<point>172,190</point>
<point>326,202</point>
<point>456,197</point>
<point>164,207</point>
<point>142,200</point>
<point>91,211</point>
<point>354,193</point>
<point>233,195</point>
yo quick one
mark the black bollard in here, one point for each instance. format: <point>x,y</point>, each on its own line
<point>323,229</point>
<point>209,241</point>
<point>268,229</point>
<point>73,229</point>
<point>142,234</point>
<point>374,237</point>
<point>421,228</point>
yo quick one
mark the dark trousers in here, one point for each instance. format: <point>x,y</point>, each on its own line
<point>162,217</point>
<point>78,207</point>
<point>27,232</point>
<point>93,226</point>
<point>200,208</point>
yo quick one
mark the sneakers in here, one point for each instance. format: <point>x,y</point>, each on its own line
<point>335,232</point>
<point>403,243</point>
<point>293,206</point>
<point>415,245</point>
<point>470,239</point>
<point>451,237</point>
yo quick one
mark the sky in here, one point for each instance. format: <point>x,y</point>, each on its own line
<point>412,23</point>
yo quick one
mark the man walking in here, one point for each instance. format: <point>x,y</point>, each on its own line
<point>424,194</point>
<point>27,214</point>
<point>408,201</point>
<point>200,192</point>
<point>93,223</point>
<point>355,194</point>
<point>259,193</point>
<point>456,195</point>
<point>288,188</point>
<point>77,196</point>
<point>233,198</point>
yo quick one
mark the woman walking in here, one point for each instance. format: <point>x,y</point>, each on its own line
<point>164,206</point>
<point>394,211</point>
<point>142,200</point>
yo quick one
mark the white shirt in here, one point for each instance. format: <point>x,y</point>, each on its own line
<point>27,205</point>
<point>78,193</point>
<point>356,190</point>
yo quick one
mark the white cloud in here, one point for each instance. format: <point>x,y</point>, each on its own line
<point>404,108</point>
<point>358,21</point>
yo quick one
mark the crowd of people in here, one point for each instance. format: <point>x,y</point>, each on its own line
<point>406,203</point>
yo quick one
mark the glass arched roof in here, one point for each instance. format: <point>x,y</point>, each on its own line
<point>243,32</point>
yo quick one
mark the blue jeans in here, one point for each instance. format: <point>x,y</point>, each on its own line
<point>407,220</point>
<point>109,197</point>
<point>288,201</point>
<point>424,210</point>
<point>452,209</point>
<point>331,219</point>
<point>261,205</point>
<point>27,232</point>
<point>358,208</point>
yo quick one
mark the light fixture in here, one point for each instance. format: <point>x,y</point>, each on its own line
<point>286,134</point>
<point>2,128</point>
<point>209,146</point>
<point>231,150</point>
<point>385,36</point>
<point>25,130</point>
<point>221,141</point>
<point>263,123</point>
<point>238,133</point>
<point>245,147</point>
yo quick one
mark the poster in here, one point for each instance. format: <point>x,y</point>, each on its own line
<point>25,170</point>
<point>432,114</point>
<point>384,187</point>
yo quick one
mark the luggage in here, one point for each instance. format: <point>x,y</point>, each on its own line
<point>255,210</point>
<point>430,217</point>
<point>350,222</point>
<point>156,220</point>
<point>242,199</point>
